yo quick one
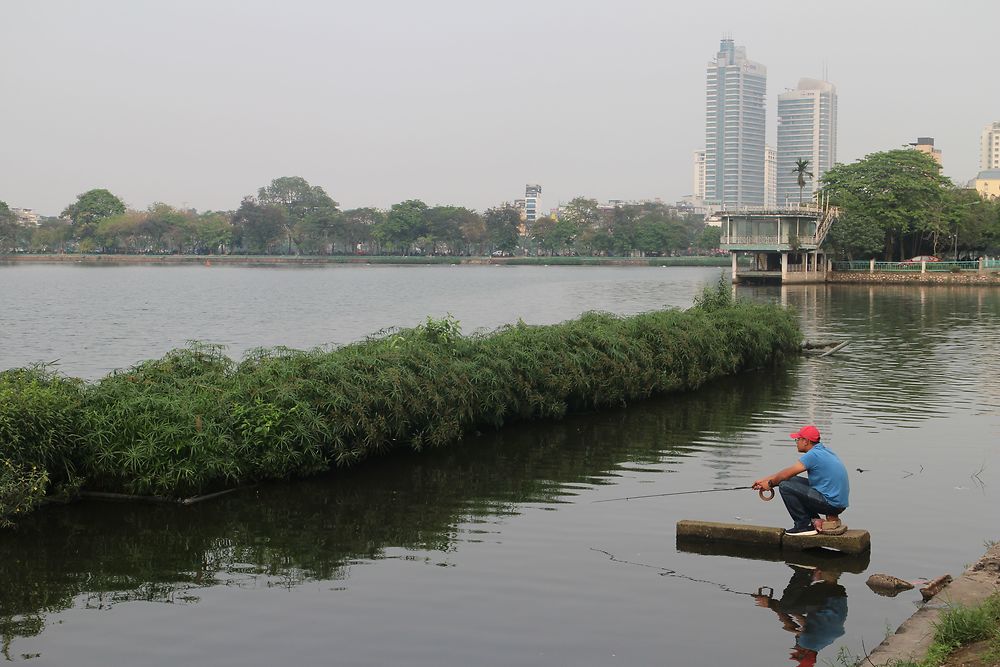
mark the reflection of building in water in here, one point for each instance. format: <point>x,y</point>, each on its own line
<point>814,607</point>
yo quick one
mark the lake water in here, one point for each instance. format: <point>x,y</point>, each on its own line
<point>493,552</point>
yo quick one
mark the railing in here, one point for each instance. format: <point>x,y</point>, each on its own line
<point>912,267</point>
<point>765,240</point>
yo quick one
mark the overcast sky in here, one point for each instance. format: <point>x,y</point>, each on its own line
<point>200,102</point>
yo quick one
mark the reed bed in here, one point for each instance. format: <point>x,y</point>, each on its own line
<point>195,421</point>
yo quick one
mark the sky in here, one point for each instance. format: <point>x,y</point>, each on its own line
<point>198,103</point>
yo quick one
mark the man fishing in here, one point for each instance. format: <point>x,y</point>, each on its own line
<point>824,492</point>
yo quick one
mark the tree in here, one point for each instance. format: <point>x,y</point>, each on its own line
<point>356,227</point>
<point>403,225</point>
<point>801,170</point>
<point>90,208</point>
<point>307,207</point>
<point>8,228</point>
<point>888,203</point>
<point>257,227</point>
<point>709,239</point>
<point>503,225</point>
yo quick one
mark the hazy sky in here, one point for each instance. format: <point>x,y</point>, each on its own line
<point>200,102</point>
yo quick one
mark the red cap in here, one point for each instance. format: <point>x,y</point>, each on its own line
<point>810,433</point>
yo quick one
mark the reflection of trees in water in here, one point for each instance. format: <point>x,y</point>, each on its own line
<point>316,529</point>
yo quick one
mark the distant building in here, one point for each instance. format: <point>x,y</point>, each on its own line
<point>988,183</point>
<point>734,128</point>
<point>926,145</point>
<point>990,147</point>
<point>770,177</point>
<point>27,217</point>
<point>532,195</point>
<point>698,177</point>
<point>807,130</point>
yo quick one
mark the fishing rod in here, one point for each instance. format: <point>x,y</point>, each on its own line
<point>682,493</point>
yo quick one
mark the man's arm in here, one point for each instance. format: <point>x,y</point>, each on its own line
<point>780,476</point>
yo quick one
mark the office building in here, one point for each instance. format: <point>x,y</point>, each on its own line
<point>807,130</point>
<point>990,147</point>
<point>734,128</point>
<point>532,195</point>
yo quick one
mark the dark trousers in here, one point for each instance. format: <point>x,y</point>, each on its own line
<point>803,502</point>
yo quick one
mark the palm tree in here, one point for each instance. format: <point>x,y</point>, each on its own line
<point>800,169</point>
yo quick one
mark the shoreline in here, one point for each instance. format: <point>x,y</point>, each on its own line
<point>914,636</point>
<point>328,260</point>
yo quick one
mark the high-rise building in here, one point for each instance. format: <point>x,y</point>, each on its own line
<point>734,128</point>
<point>807,130</point>
<point>532,194</point>
<point>698,193</point>
<point>770,177</point>
<point>990,151</point>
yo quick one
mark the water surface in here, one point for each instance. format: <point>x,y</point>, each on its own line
<point>493,552</point>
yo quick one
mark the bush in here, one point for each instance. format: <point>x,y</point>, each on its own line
<point>194,421</point>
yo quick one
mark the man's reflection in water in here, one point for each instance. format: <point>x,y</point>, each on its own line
<point>814,607</point>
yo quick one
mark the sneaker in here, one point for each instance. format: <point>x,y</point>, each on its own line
<point>801,531</point>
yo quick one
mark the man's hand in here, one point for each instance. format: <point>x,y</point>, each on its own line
<point>762,484</point>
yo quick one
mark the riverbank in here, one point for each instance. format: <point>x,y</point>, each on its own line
<point>309,260</point>
<point>914,637</point>
<point>195,422</point>
<point>914,278</point>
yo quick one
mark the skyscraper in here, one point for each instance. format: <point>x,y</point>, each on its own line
<point>990,151</point>
<point>734,128</point>
<point>807,130</point>
<point>532,194</point>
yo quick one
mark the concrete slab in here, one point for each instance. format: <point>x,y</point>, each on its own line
<point>730,532</point>
<point>851,542</point>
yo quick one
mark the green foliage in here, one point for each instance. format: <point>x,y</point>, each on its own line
<point>22,488</point>
<point>194,421</point>
<point>715,298</point>
<point>90,208</point>
<point>502,227</point>
<point>893,197</point>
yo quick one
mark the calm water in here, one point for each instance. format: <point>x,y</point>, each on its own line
<point>493,552</point>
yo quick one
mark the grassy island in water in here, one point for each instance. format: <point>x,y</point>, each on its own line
<point>195,421</point>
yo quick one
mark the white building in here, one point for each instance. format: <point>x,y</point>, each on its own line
<point>698,178</point>
<point>807,130</point>
<point>734,128</point>
<point>532,197</point>
<point>990,147</point>
<point>770,177</point>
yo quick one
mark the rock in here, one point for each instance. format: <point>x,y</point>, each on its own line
<point>935,586</point>
<point>887,585</point>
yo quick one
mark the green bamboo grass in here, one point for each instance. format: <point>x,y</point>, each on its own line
<point>195,421</point>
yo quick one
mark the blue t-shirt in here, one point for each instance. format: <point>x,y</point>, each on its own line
<point>827,474</point>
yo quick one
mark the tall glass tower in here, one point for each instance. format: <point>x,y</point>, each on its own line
<point>807,130</point>
<point>734,129</point>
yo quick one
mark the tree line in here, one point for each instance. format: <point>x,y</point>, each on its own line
<point>896,205</point>
<point>290,216</point>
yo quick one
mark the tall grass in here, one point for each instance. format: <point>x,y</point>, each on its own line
<point>195,421</point>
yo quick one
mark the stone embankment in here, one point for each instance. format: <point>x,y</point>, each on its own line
<point>915,278</point>
<point>914,636</point>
